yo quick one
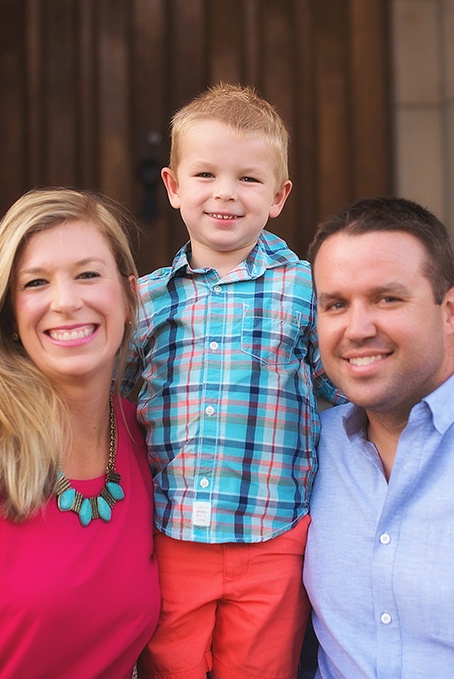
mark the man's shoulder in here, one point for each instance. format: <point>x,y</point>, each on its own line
<point>333,419</point>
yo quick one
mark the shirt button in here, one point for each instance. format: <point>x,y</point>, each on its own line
<point>385,618</point>
<point>204,482</point>
<point>214,345</point>
<point>217,288</point>
<point>385,539</point>
<point>209,410</point>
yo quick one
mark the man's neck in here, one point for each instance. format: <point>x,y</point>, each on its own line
<point>384,433</point>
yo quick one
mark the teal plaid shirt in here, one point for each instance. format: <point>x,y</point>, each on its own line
<point>231,368</point>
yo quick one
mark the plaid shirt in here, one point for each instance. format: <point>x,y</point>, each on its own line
<point>229,367</point>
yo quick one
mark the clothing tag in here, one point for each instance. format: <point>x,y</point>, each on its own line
<point>201,513</point>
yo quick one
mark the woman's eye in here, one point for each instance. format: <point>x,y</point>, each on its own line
<point>89,274</point>
<point>35,283</point>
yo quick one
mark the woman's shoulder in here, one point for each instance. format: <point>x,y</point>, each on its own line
<point>127,421</point>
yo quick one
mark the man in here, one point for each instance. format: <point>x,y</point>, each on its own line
<point>379,565</point>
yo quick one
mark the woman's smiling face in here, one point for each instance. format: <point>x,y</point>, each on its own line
<point>69,302</point>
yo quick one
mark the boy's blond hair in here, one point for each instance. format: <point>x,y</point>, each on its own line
<point>242,109</point>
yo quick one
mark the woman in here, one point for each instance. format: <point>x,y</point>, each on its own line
<point>79,589</point>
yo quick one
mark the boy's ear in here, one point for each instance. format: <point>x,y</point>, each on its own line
<point>171,184</point>
<point>280,198</point>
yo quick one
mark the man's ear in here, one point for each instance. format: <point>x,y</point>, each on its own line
<point>448,304</point>
<point>171,183</point>
<point>279,199</point>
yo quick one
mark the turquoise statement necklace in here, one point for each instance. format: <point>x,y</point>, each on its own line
<point>98,506</point>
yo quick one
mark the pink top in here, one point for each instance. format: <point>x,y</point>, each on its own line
<point>81,602</point>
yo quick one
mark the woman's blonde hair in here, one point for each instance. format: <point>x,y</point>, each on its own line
<point>33,417</point>
<point>242,109</point>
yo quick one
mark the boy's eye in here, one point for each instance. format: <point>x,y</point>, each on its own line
<point>204,175</point>
<point>250,179</point>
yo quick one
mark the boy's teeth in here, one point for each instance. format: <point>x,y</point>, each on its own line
<point>217,216</point>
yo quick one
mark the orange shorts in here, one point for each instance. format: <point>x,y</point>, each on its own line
<point>235,610</point>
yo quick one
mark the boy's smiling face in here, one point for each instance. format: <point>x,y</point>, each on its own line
<point>225,188</point>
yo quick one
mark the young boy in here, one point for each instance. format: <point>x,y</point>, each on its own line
<point>228,351</point>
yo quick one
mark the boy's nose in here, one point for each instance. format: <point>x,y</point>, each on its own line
<point>225,190</point>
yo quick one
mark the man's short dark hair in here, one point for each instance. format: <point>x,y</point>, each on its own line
<point>396,214</point>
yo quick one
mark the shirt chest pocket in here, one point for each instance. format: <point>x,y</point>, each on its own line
<point>270,335</point>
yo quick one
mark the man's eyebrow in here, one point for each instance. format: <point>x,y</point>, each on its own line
<point>394,288</point>
<point>326,297</point>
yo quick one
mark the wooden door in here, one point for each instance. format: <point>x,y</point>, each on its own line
<point>88,88</point>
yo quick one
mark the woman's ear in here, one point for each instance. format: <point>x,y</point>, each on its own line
<point>133,282</point>
<point>171,183</point>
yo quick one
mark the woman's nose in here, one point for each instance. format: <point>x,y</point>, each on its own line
<point>65,297</point>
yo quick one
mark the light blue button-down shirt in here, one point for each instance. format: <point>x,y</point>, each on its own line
<point>379,565</point>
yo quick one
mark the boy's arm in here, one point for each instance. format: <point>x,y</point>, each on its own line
<point>323,386</point>
<point>133,367</point>
<point>135,357</point>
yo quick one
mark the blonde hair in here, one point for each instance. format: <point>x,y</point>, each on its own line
<point>33,416</point>
<point>242,109</point>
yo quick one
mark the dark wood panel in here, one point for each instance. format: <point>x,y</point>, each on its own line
<point>304,144</point>
<point>33,82</point>
<point>87,131</point>
<point>88,88</point>
<point>60,92</point>
<point>225,41</point>
<point>331,75</point>
<point>12,103</point>
<point>113,84</point>
<point>371,134</point>
<point>277,59</point>
<point>149,131</point>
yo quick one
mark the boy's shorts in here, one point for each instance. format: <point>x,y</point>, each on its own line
<point>235,610</point>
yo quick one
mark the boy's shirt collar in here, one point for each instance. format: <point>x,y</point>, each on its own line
<point>270,251</point>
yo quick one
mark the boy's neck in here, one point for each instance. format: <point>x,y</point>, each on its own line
<point>223,262</point>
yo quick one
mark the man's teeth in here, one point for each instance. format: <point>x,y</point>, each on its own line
<point>364,360</point>
<point>66,335</point>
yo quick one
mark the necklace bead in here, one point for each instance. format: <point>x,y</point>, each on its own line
<point>98,506</point>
